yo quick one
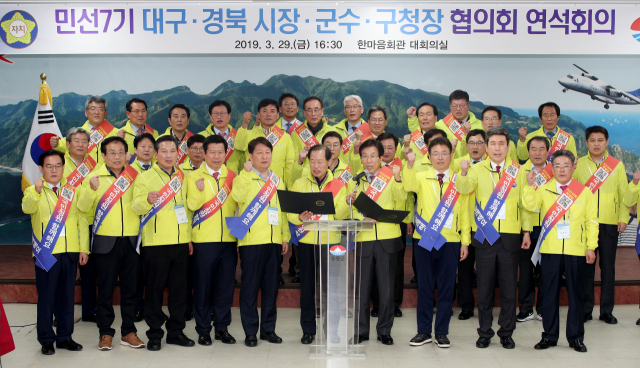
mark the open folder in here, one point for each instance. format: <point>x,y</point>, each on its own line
<point>371,209</point>
<point>317,203</point>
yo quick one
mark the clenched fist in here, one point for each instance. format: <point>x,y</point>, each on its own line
<point>54,141</point>
<point>531,176</point>
<point>396,172</point>
<point>246,119</point>
<point>303,154</point>
<point>636,177</point>
<point>523,134</point>
<point>464,167</point>
<point>454,144</point>
<point>39,183</point>
<point>248,166</point>
<point>411,112</point>
<point>407,140</point>
<point>94,183</point>
<point>200,184</point>
<point>466,127</point>
<point>121,133</point>
<point>152,197</point>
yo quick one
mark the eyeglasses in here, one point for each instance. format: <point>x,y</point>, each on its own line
<point>292,104</point>
<point>354,107</point>
<point>313,111</point>
<point>495,118</point>
<point>562,167</point>
<point>440,155</point>
<point>53,168</point>
<point>197,149</point>
<point>377,120</point>
<point>136,112</point>
<point>456,107</point>
<point>98,109</point>
<point>80,141</point>
<point>369,158</point>
<point>546,116</point>
<point>116,154</point>
<point>220,114</point>
<point>475,144</point>
<point>335,145</point>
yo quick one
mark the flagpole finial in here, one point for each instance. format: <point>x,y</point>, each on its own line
<point>43,76</point>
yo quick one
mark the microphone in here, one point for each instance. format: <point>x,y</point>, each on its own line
<point>356,179</point>
<point>359,176</point>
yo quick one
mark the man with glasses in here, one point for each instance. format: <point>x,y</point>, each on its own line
<point>377,117</point>
<point>137,123</point>
<point>567,246</point>
<point>220,115</point>
<point>492,116</point>
<point>549,114</point>
<point>314,125</point>
<point>353,110</point>
<point>459,106</point>
<point>289,107</point>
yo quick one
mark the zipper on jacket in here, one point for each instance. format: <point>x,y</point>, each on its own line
<point>221,216</point>
<point>122,216</point>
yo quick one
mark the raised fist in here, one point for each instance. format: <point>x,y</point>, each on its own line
<point>94,183</point>
<point>128,156</point>
<point>636,177</point>
<point>396,172</point>
<point>523,134</point>
<point>121,133</point>
<point>359,135</point>
<point>152,197</point>
<point>407,140</point>
<point>454,144</point>
<point>410,156</point>
<point>54,141</point>
<point>39,183</point>
<point>200,184</point>
<point>466,127</point>
<point>411,112</point>
<point>531,176</point>
<point>246,119</point>
<point>248,166</point>
<point>303,154</point>
<point>464,167</point>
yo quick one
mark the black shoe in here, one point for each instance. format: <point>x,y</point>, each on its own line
<point>251,341</point>
<point>588,317</point>
<point>362,338</point>
<point>139,316</point>
<point>271,337</point>
<point>225,337</point>
<point>181,340</point>
<point>524,317</point>
<point>188,315</point>
<point>545,344</point>
<point>295,279</point>
<point>154,345</point>
<point>385,339</point>
<point>204,338</point>
<point>47,348</point>
<point>414,280</point>
<point>213,316</point>
<point>608,318</point>
<point>507,342</point>
<point>89,318</point>
<point>442,341</point>
<point>398,312</point>
<point>638,322</point>
<point>420,339</point>
<point>374,312</point>
<point>69,345</point>
<point>307,338</point>
<point>464,315</point>
<point>55,322</point>
<point>280,281</point>
<point>483,342</point>
<point>578,346</point>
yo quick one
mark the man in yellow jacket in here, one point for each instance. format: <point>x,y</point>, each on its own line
<point>160,197</point>
<point>144,149</point>
<point>220,116</point>
<point>613,216</point>
<point>263,236</point>
<point>549,114</point>
<point>289,107</point>
<point>313,111</point>
<point>353,110</point>
<point>497,183</point>
<point>492,116</point>
<point>55,282</point>
<point>215,253</point>
<point>380,247</point>
<point>568,238</point>
<point>317,179</point>
<point>421,120</point>
<point>377,116</point>
<point>437,262</point>
<point>195,152</point>
<point>136,110</point>
<point>114,242</point>
<point>179,118</point>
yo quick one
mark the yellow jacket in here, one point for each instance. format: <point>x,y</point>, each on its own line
<point>302,171</point>
<point>69,167</point>
<point>41,205</point>
<point>214,229</point>
<point>481,178</point>
<point>308,184</point>
<point>121,220</point>
<point>138,166</point>
<point>95,153</point>
<point>471,197</point>
<point>530,219</point>
<point>163,228</point>
<point>130,135</point>
<point>342,129</point>
<point>461,148</point>
<point>355,161</point>
<point>523,153</point>
<point>236,161</point>
<point>582,217</point>
<point>299,144</point>
<point>283,157</point>
<point>631,197</point>
<point>430,193</point>
<point>610,195</point>
<point>245,188</point>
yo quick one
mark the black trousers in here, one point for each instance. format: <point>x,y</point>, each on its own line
<point>465,281</point>
<point>88,285</point>
<point>214,271</point>
<point>259,264</point>
<point>140,287</point>
<point>498,261</point>
<point>398,286</point>
<point>165,265</point>
<point>120,263</point>
<point>526,287</point>
<point>574,267</point>
<point>56,290</point>
<point>607,247</point>
<point>308,258</point>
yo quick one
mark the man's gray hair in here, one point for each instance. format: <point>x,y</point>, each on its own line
<point>563,153</point>
<point>498,130</point>
<point>352,97</point>
<point>74,131</point>
<point>95,99</point>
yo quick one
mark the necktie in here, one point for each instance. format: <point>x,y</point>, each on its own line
<point>352,129</point>
<point>563,187</point>
<point>371,178</point>
<point>474,162</point>
<point>440,177</point>
<point>286,128</point>
<point>140,131</point>
<point>498,168</point>
<point>55,190</point>
<point>223,135</point>
<point>216,175</point>
<point>549,135</point>
<point>146,166</point>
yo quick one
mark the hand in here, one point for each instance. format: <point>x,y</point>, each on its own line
<point>248,166</point>
<point>190,248</point>
<point>305,216</point>
<point>285,248</point>
<point>369,219</point>
<point>591,256</point>
<point>152,197</point>
<point>94,183</point>
<point>464,167</point>
<point>356,146</point>
<point>409,229</point>
<point>121,133</point>
<point>454,144</point>
<point>466,127</point>
<point>39,183</point>
<point>325,119</point>
<point>128,155</point>
<point>246,119</point>
<point>258,121</point>
<point>464,252</point>
<point>622,226</point>
<point>84,258</point>
<point>303,154</point>
<point>636,177</point>
<point>351,197</point>
<point>397,169</point>
<point>409,156</point>
<point>523,134</point>
<point>526,241</point>
<point>411,112</point>
<point>531,176</point>
<point>407,140</point>
<point>54,141</point>
<point>200,184</point>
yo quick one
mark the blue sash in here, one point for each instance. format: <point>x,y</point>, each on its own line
<point>43,249</point>
<point>238,226</point>
<point>421,226</point>
<point>485,226</point>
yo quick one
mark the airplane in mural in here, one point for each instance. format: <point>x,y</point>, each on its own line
<point>598,89</point>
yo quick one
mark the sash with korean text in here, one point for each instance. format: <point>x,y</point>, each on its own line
<point>348,141</point>
<point>99,134</point>
<point>115,191</point>
<point>214,204</point>
<point>602,174</point>
<point>306,136</point>
<point>454,126</point>
<point>485,218</point>
<point>296,123</point>
<point>231,143</point>
<point>379,182</point>
<point>543,176</point>
<point>77,176</point>
<point>432,237</point>
<point>274,136</point>
<point>238,226</point>
<point>561,141</point>
<point>418,139</point>
<point>182,148</point>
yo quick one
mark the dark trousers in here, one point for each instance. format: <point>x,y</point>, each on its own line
<point>414,244</point>
<point>259,264</point>
<point>607,247</point>
<point>56,290</point>
<point>165,265</point>
<point>308,259</point>
<point>190,283</point>
<point>465,281</point>
<point>214,271</point>
<point>574,267</point>
<point>121,262</point>
<point>436,266</point>
<point>526,288</point>
<point>398,287</point>
<point>382,264</point>
<point>88,285</point>
<point>498,261</point>
<point>140,287</point>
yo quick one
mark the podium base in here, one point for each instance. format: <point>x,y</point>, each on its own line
<point>323,350</point>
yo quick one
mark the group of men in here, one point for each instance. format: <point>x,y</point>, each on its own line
<point>147,212</point>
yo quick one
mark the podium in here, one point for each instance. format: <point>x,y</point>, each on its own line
<point>337,276</point>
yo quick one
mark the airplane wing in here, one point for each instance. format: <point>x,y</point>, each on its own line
<point>603,99</point>
<point>633,95</point>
